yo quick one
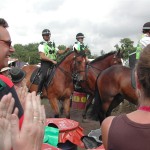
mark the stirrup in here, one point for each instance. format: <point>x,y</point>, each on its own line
<point>39,93</point>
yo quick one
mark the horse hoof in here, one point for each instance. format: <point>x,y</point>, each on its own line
<point>56,116</point>
<point>85,120</point>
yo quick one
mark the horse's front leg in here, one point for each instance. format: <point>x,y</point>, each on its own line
<point>54,104</point>
<point>66,106</point>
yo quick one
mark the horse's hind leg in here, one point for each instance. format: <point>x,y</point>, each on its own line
<point>55,107</point>
<point>116,101</point>
<point>67,107</point>
<point>88,104</point>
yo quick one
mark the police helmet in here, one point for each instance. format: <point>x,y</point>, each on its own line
<point>46,32</point>
<point>146,26</point>
<point>79,35</point>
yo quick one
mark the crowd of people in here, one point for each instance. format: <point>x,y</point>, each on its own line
<point>22,117</point>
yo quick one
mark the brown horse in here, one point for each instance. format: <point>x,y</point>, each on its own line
<point>113,86</point>
<point>93,69</point>
<point>61,86</point>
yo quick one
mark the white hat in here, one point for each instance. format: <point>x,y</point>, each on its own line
<point>5,69</point>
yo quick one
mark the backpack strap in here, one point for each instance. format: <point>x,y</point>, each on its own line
<point>6,80</point>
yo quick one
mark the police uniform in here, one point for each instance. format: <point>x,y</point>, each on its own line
<point>48,48</point>
<point>79,46</point>
<point>144,41</point>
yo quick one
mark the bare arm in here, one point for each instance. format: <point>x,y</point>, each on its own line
<point>105,130</point>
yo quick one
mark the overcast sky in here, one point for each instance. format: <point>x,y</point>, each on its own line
<point>103,22</point>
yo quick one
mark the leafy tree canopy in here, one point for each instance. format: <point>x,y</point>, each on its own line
<point>126,45</point>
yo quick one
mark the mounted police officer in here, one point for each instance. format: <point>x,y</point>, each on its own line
<point>48,56</point>
<point>79,45</point>
<point>145,39</point>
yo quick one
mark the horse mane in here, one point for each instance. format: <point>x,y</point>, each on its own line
<point>102,57</point>
<point>69,53</point>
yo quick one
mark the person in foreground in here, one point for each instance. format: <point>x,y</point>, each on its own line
<point>33,124</point>
<point>132,131</point>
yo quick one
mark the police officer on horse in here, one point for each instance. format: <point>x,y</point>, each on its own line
<point>48,56</point>
<point>144,41</point>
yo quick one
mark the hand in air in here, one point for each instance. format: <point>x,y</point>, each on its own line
<point>6,108</point>
<point>30,137</point>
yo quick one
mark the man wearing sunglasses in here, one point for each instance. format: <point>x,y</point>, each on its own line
<point>6,86</point>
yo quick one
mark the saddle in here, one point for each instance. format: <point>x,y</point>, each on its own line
<point>36,75</point>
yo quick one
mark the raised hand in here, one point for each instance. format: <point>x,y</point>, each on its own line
<point>30,136</point>
<point>6,108</point>
<point>22,94</point>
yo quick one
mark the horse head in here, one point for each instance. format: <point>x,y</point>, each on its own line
<point>79,65</point>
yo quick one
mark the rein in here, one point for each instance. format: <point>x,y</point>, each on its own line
<point>71,68</point>
<point>87,67</point>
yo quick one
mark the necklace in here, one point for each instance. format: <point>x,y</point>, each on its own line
<point>144,108</point>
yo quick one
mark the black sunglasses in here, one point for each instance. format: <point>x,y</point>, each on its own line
<point>8,43</point>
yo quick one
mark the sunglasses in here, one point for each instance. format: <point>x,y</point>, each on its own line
<point>8,43</point>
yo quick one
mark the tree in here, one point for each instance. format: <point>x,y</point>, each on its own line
<point>126,46</point>
<point>27,53</point>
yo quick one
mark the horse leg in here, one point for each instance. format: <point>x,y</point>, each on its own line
<point>115,102</point>
<point>66,106</point>
<point>61,107</point>
<point>88,104</point>
<point>55,107</point>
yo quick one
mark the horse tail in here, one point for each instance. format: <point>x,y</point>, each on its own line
<point>97,112</point>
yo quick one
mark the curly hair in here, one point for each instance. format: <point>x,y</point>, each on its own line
<point>143,70</point>
<point>3,23</point>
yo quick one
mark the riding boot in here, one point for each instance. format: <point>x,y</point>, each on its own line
<point>40,87</point>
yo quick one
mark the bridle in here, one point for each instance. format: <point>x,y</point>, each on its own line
<point>73,67</point>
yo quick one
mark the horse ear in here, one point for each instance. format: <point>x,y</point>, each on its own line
<point>120,53</point>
